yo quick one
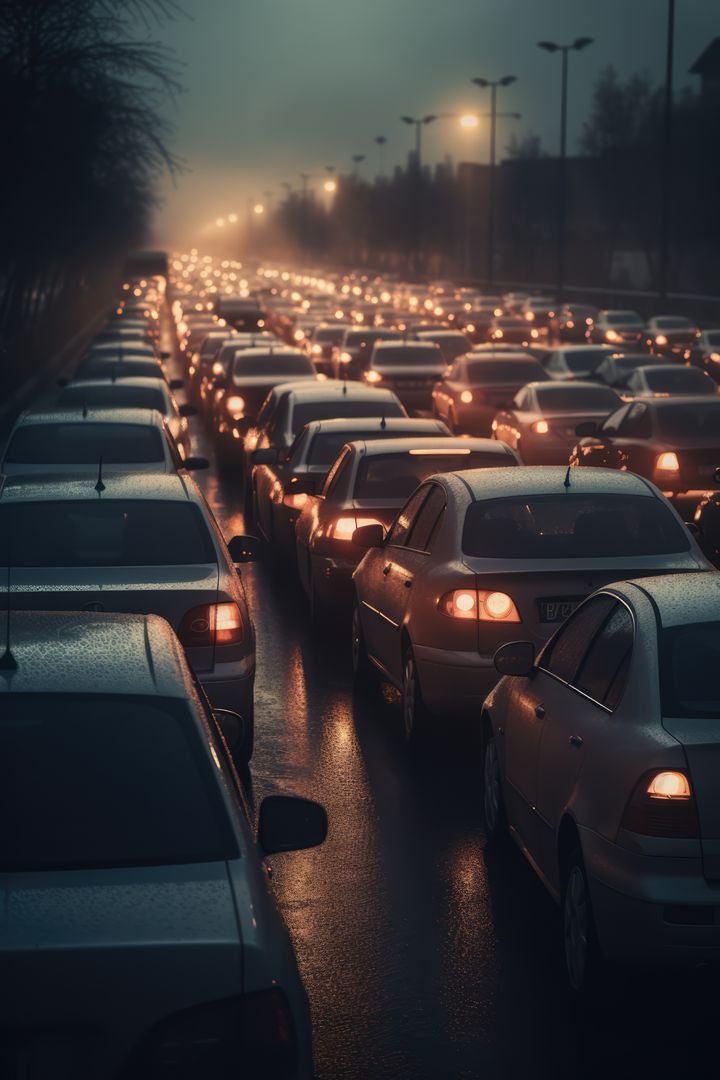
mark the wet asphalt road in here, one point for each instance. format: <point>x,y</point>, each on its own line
<point>424,955</point>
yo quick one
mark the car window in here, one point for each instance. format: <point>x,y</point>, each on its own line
<point>603,672</point>
<point>114,395</point>
<point>690,657</point>
<point>427,520</point>
<point>84,444</point>
<point>522,399</point>
<point>637,423</point>
<point>337,474</point>
<point>565,651</point>
<point>406,518</point>
<point>613,422</point>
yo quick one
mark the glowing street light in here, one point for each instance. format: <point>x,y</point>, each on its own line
<point>469,121</point>
<point>232,218</point>
<point>330,186</point>
<point>220,222</point>
<point>493,84</point>
<point>258,209</point>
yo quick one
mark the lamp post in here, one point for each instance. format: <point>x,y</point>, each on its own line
<point>552,47</point>
<point>380,141</point>
<point>493,84</point>
<point>419,125</point>
<point>667,155</point>
<point>357,159</point>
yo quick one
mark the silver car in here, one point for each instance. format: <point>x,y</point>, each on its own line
<point>138,936</point>
<point>146,544</point>
<point>601,756</point>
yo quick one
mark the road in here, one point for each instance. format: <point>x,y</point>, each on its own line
<point>424,955</point>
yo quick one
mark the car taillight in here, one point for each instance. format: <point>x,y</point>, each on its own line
<point>208,624</point>
<point>317,350</point>
<point>540,427</point>
<point>372,376</point>
<point>661,339</point>
<point>466,397</point>
<point>667,462</point>
<point>662,804</point>
<point>217,368</point>
<point>235,404</point>
<point>486,606</point>
<point>295,502</point>
<point>344,526</point>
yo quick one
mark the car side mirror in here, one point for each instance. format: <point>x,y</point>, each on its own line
<point>694,529</point>
<point>267,455</point>
<point>303,485</point>
<point>244,549</point>
<point>369,536</point>
<point>193,463</point>
<point>287,823</point>
<point>232,726</point>
<point>188,410</point>
<point>716,476</point>
<point>515,658</point>
<point>588,427</point>
<point>176,384</point>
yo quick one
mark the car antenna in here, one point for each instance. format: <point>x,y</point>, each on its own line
<point>383,422</point>
<point>100,487</point>
<point>566,481</point>
<point>113,374</point>
<point>7,660</point>
<point>85,409</point>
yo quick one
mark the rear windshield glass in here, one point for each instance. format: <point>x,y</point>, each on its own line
<point>384,358</point>
<point>272,366</point>
<point>84,444</point>
<point>680,381</point>
<point>577,399</point>
<point>118,351</point>
<point>585,361</point>
<point>688,673</point>
<point>115,782</point>
<point>120,369</point>
<point>104,533</point>
<point>390,476</point>
<point>571,526</point>
<point>673,322</point>
<point>114,396</point>
<point>679,421</point>
<point>325,447</point>
<point>332,336</point>
<point>505,371</point>
<point>339,409</point>
<point>511,323</point>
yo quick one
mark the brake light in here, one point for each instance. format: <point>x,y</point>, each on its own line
<point>667,462</point>
<point>217,368</point>
<point>612,335</point>
<point>208,624</point>
<point>316,350</point>
<point>661,340</point>
<point>295,502</point>
<point>235,404</point>
<point>344,526</point>
<point>466,397</point>
<point>662,804</point>
<point>490,606</point>
<point>373,376</point>
<point>540,427</point>
<point>344,357</point>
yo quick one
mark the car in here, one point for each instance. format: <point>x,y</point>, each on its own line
<point>133,393</point>
<point>349,357</point>
<point>320,344</point>
<point>409,368</point>
<point>600,756</point>
<point>452,343</point>
<point>491,555</point>
<point>673,441</point>
<point>477,385</point>
<point>124,335</point>
<point>539,311</point>
<point>541,425</point>
<point>115,352</point>
<point>202,359</point>
<point>706,523</point>
<point>124,366</point>
<point>615,369</point>
<point>239,393</point>
<point>573,322</point>
<point>241,312</point>
<point>616,327</point>
<point>670,335</point>
<point>368,484</point>
<point>707,350</point>
<point>144,543</point>
<point>139,936</point>
<point>575,361</point>
<point>512,329</point>
<point>124,440</point>
<point>660,380</point>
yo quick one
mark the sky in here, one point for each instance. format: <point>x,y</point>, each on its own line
<point>275,88</point>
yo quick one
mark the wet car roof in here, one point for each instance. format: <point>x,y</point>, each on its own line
<point>362,423</point>
<point>549,480</point>
<point>54,488</point>
<point>679,598</point>
<point>433,445</point>
<point>142,417</point>
<point>334,388</point>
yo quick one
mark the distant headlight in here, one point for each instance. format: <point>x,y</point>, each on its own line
<point>235,404</point>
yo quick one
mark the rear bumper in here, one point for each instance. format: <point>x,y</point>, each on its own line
<point>454,682</point>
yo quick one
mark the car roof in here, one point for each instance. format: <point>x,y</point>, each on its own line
<point>139,417</point>
<point>134,380</point>
<point>576,384</point>
<point>270,349</point>
<point>549,480</point>
<point>679,599</point>
<point>42,487</point>
<point>334,388</point>
<point>585,348</point>
<point>434,444</point>
<point>94,653</point>
<point>362,423</point>
<point>390,346</point>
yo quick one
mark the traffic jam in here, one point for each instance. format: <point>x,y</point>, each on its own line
<point>488,525</point>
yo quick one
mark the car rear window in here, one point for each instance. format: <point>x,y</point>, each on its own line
<point>577,399</point>
<point>680,381</point>
<point>623,318</point>
<point>571,526</point>
<point>115,782</point>
<point>113,532</point>
<point>690,658</point>
<point>697,419</point>
<point>272,365</point>
<point>505,371</point>
<point>367,337</point>
<point>326,446</point>
<point>423,357</point>
<point>395,476</point>
<point>585,361</point>
<point>331,336</point>
<point>84,444</point>
<point>115,396</point>
<point>340,408</point>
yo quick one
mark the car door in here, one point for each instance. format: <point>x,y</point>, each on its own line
<point>536,702</point>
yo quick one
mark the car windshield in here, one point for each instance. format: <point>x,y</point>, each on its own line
<point>680,380</point>
<point>339,408</point>
<point>271,365</point>
<point>573,399</point>
<point>571,526</point>
<point>85,443</point>
<point>505,371</point>
<point>586,360</point>
<point>96,532</point>
<point>688,673</point>
<point>681,421</point>
<point>114,396</point>
<point>395,476</point>
<point>116,781</point>
<point>423,357</point>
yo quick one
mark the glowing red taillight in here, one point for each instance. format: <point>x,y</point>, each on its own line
<point>208,624</point>
<point>662,804</point>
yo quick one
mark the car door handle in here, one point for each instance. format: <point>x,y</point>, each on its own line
<point>540,712</point>
<point>576,741</point>
<point>407,583</point>
<point>386,570</point>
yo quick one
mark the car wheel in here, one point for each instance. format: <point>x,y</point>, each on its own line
<point>415,715</point>
<point>583,959</point>
<point>493,802</point>
<point>364,671</point>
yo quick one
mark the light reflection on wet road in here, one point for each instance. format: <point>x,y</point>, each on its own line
<point>423,955</point>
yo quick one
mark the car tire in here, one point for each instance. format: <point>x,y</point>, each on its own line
<point>365,674</point>
<point>584,962</point>
<point>415,715</point>
<point>493,801</point>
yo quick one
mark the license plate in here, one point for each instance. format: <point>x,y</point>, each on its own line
<point>558,609</point>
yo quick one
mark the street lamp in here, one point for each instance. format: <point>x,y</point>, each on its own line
<point>330,186</point>
<point>419,124</point>
<point>493,84</point>
<point>357,160</point>
<point>552,47</point>
<point>380,141</point>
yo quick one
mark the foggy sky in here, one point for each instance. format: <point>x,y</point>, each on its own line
<point>273,88</point>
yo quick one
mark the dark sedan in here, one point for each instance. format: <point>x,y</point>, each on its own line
<point>409,368</point>
<point>475,388</point>
<point>670,335</point>
<point>617,368</point>
<point>542,422</point>
<point>573,322</point>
